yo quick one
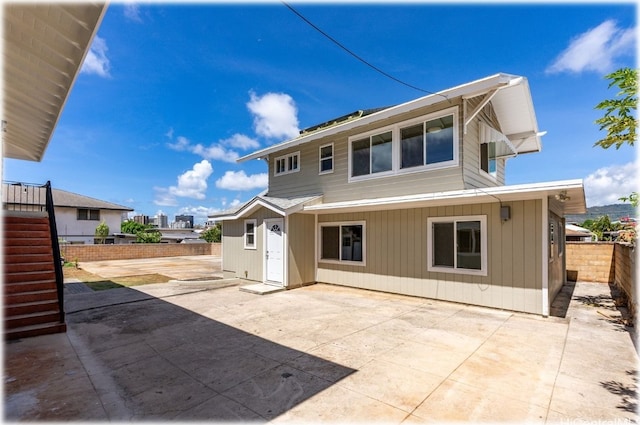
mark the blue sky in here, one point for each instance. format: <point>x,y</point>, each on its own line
<point>170,95</point>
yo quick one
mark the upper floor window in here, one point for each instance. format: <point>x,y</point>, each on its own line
<point>429,142</point>
<point>372,154</point>
<point>488,158</point>
<point>425,143</point>
<point>326,159</point>
<point>88,214</point>
<point>286,164</point>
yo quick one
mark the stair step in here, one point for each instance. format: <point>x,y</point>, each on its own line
<point>24,267</point>
<point>37,285</point>
<point>27,227</point>
<point>27,249</point>
<point>41,218</point>
<point>23,277</point>
<point>35,330</point>
<point>35,318</point>
<point>28,258</point>
<point>31,296</point>
<point>40,241</point>
<point>29,308</point>
<point>10,234</point>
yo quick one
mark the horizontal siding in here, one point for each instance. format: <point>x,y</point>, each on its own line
<point>336,187</point>
<point>473,176</point>
<point>396,257</point>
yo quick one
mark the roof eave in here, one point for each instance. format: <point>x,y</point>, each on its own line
<point>468,89</point>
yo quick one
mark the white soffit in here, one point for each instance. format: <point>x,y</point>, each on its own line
<point>44,46</point>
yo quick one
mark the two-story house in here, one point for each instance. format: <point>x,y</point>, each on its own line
<point>411,199</point>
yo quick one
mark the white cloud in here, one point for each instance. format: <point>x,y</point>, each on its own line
<point>595,50</point>
<point>274,115</point>
<point>132,12</point>
<point>240,181</point>
<point>606,185</point>
<point>212,152</point>
<point>200,214</point>
<point>191,184</point>
<point>240,141</point>
<point>234,203</point>
<point>96,61</point>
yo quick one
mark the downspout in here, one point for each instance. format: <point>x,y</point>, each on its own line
<point>285,276</point>
<point>545,256</point>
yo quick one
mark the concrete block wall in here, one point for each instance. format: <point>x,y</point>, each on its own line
<point>625,275</point>
<point>590,261</point>
<point>136,251</point>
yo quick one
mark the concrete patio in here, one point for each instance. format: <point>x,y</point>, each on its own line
<point>210,352</point>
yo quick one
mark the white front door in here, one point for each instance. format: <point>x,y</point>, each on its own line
<point>274,247</point>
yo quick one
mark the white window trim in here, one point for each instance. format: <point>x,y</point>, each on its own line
<point>483,244</point>
<point>395,140</point>
<point>320,159</point>
<point>362,263</point>
<point>286,164</point>
<point>255,233</point>
<point>486,173</point>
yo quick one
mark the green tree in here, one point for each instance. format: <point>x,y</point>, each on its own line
<point>148,236</point>
<point>132,227</point>
<point>619,119</point>
<point>102,231</point>
<point>601,225</point>
<point>212,234</point>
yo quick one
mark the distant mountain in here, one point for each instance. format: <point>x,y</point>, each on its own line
<point>615,212</point>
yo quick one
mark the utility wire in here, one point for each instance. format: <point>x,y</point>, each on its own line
<point>336,42</point>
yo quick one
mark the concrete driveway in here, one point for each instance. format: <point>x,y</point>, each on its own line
<point>207,351</point>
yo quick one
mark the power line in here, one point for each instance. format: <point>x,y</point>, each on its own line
<point>336,42</point>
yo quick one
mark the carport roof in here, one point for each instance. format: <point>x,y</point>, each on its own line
<point>44,45</point>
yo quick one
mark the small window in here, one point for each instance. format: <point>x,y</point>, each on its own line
<point>457,245</point>
<point>250,234</point>
<point>342,242</point>
<point>287,164</point>
<point>326,159</point>
<point>88,214</point>
<point>488,158</point>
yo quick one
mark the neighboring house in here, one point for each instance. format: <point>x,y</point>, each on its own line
<point>575,233</point>
<point>77,216</point>
<point>411,199</point>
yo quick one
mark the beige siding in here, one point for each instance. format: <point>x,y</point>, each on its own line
<point>473,176</point>
<point>238,261</point>
<point>557,265</point>
<point>301,251</point>
<point>336,187</point>
<point>396,257</point>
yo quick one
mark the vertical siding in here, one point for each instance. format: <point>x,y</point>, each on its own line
<point>301,250</point>
<point>238,261</point>
<point>396,257</point>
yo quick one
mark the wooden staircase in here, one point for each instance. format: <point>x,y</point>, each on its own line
<point>31,305</point>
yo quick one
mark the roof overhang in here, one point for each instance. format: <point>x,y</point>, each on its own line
<point>259,202</point>
<point>44,47</point>
<point>568,193</point>
<point>509,95</point>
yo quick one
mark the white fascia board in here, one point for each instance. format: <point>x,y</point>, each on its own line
<point>249,208</point>
<point>474,88</point>
<point>455,197</point>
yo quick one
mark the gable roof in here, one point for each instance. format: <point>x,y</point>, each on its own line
<point>509,95</point>
<point>61,198</point>
<point>281,206</point>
